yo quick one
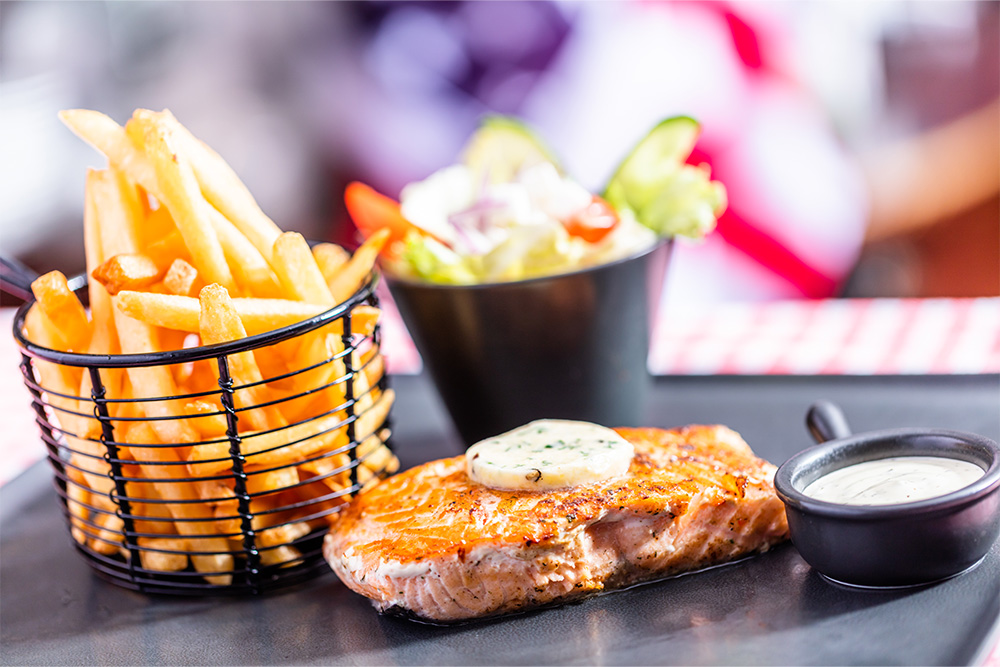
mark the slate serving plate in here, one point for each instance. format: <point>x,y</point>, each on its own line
<point>773,609</point>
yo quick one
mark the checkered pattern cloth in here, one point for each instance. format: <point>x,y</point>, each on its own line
<point>831,337</point>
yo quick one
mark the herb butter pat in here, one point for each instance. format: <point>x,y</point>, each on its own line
<point>549,454</point>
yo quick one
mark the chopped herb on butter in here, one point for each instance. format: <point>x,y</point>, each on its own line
<point>549,454</point>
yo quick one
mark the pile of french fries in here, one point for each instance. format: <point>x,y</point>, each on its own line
<point>179,255</point>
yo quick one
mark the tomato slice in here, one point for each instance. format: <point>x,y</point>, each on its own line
<point>593,222</point>
<point>372,211</point>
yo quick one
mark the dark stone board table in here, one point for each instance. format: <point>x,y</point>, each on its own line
<point>772,609</point>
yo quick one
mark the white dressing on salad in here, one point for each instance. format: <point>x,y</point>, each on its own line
<point>429,203</point>
<point>507,231</point>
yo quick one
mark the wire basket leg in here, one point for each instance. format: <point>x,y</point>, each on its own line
<point>111,455</point>
<point>351,419</point>
<point>242,497</point>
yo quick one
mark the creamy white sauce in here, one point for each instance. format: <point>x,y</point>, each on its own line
<point>549,454</point>
<point>894,480</point>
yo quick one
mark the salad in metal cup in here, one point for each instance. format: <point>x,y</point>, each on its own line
<point>507,211</point>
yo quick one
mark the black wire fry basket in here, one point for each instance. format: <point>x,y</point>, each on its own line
<point>242,507</point>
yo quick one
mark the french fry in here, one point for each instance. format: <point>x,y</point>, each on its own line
<point>250,268</point>
<point>373,368</point>
<point>282,555</point>
<point>109,533</point>
<point>275,541</point>
<point>156,518</point>
<point>172,340</point>
<point>113,214</point>
<point>330,257</point>
<point>183,312</point>
<point>209,418</point>
<point>268,481</point>
<point>63,309</point>
<point>228,522</point>
<point>159,554</point>
<point>169,248</point>
<point>263,514</point>
<point>363,392</point>
<point>364,318</point>
<point>376,457</point>
<point>127,271</point>
<point>325,378</point>
<point>109,137</point>
<point>272,360</point>
<point>55,378</point>
<point>334,470</point>
<point>121,212</point>
<point>374,460</point>
<point>157,224</point>
<point>145,502</point>
<point>297,270</point>
<point>180,278</point>
<point>225,191</point>
<point>77,500</point>
<point>178,191</point>
<point>321,355</point>
<point>324,501</point>
<point>154,382</point>
<point>347,281</point>
<point>220,323</point>
<point>302,280</point>
<point>104,339</point>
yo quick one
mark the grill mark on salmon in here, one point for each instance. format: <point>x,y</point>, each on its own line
<point>432,544</point>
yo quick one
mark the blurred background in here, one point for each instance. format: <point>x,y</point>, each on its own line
<point>859,142</point>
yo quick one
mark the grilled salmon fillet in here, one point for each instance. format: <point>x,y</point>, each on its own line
<point>431,543</point>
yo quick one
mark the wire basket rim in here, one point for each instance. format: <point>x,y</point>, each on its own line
<point>198,353</point>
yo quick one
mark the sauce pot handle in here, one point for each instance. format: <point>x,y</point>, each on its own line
<point>826,421</point>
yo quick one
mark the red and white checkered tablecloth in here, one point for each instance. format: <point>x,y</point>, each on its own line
<point>822,337</point>
<point>831,337</point>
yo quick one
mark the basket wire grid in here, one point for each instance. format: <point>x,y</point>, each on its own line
<point>120,498</point>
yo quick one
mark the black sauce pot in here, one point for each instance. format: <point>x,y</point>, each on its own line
<point>571,346</point>
<point>890,545</point>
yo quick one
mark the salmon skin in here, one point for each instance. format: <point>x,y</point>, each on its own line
<point>432,544</point>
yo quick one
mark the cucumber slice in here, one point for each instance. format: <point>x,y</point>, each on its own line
<point>501,147</point>
<point>665,194</point>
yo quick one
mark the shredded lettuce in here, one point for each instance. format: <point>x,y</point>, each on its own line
<point>530,251</point>
<point>431,260</point>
